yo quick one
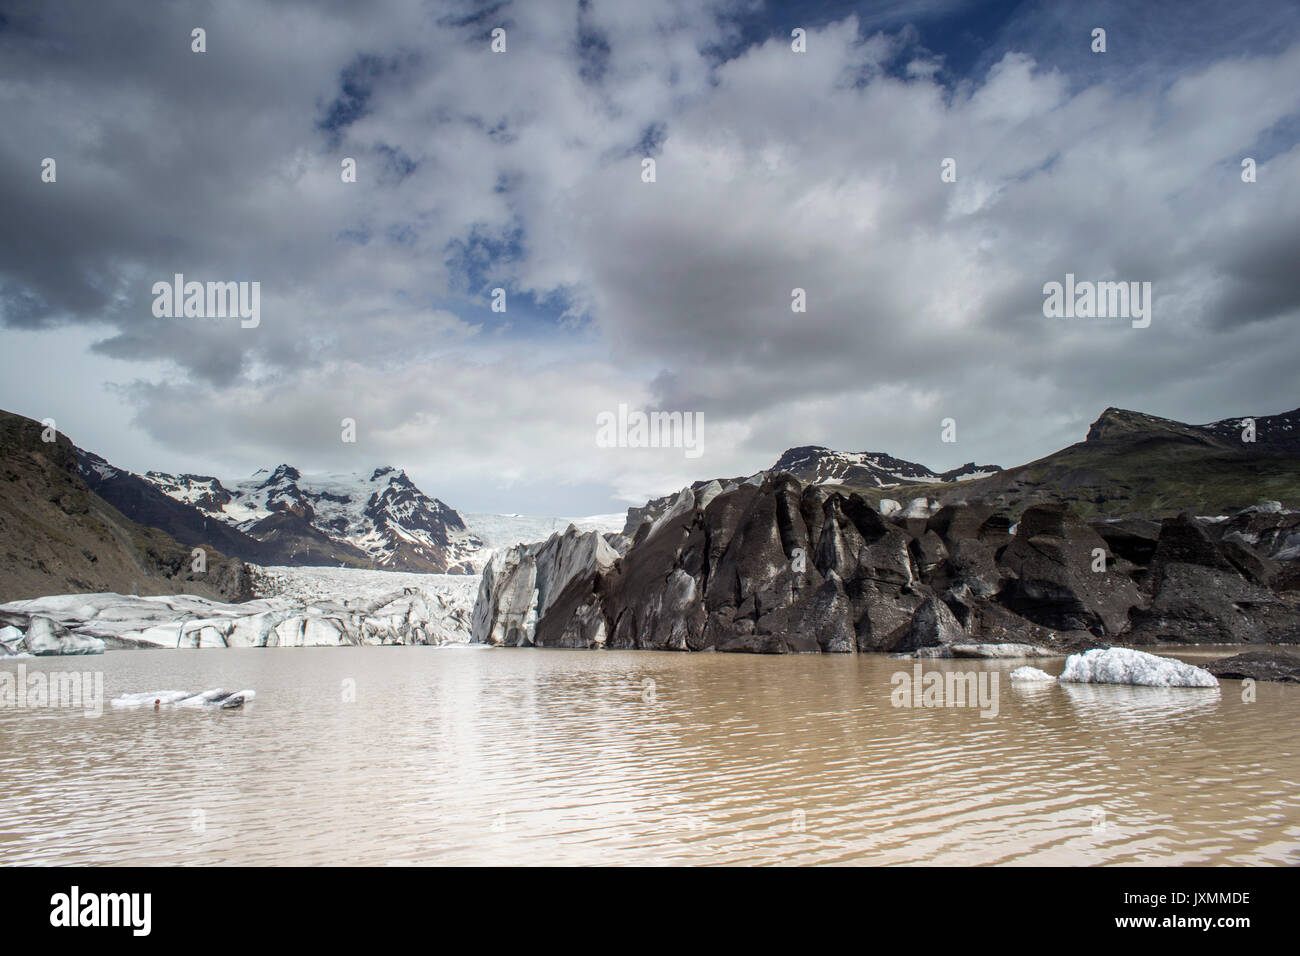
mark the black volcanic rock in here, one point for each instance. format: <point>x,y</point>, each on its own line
<point>932,625</point>
<point>1200,596</point>
<point>1132,539</point>
<point>773,568</point>
<point>1270,665</point>
<point>1271,533</point>
<point>786,567</point>
<point>1252,565</point>
<point>1052,557</point>
<point>800,557</point>
<point>1184,540</point>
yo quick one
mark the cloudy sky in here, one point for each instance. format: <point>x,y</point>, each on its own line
<point>522,170</point>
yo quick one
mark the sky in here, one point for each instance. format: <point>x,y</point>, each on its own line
<point>523,170</point>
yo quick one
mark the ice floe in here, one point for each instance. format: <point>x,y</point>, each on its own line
<point>1030,674</point>
<point>1121,665</point>
<point>216,697</point>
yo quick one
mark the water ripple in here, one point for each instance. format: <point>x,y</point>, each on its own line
<point>555,757</point>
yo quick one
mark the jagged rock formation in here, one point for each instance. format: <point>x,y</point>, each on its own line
<point>777,566</point>
<point>1211,591</point>
<point>522,584</point>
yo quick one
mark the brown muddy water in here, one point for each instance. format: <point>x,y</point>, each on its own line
<point>379,755</point>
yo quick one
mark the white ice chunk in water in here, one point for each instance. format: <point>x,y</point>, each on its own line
<point>1030,674</point>
<point>216,697</point>
<point>1120,665</point>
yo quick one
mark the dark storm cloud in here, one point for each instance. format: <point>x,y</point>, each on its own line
<point>775,170</point>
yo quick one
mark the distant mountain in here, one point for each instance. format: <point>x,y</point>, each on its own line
<point>1132,463</point>
<point>58,536</point>
<point>144,503</point>
<point>813,463</point>
<point>379,520</point>
<point>862,472</point>
<point>1272,433</point>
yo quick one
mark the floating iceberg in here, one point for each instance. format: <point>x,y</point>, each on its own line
<point>1030,674</point>
<point>1120,665</point>
<point>217,697</point>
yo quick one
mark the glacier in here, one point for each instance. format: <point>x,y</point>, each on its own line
<point>303,607</point>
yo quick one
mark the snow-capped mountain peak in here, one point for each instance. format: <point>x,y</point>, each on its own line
<point>381,514</point>
<point>868,468</point>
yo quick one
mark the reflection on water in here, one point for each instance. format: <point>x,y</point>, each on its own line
<point>468,755</point>
<point>1108,705</point>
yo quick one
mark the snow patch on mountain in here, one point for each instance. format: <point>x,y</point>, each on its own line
<point>819,465</point>
<point>381,513</point>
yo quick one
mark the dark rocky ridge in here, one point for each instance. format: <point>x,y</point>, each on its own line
<point>814,463</point>
<point>57,536</point>
<point>144,504</point>
<point>778,566</point>
<point>1130,465</point>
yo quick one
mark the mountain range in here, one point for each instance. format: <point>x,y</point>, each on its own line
<point>1134,464</point>
<point>71,521</point>
<point>379,520</point>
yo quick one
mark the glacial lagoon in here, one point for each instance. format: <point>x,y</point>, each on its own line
<point>471,755</point>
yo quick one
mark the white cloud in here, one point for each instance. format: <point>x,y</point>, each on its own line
<point>775,170</point>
